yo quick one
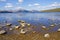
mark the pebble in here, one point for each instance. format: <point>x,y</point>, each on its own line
<point>46,35</point>
<point>34,31</point>
<point>21,21</point>
<point>23,24</point>
<point>11,29</point>
<point>52,25</point>
<point>9,24</point>
<point>17,27</point>
<point>2,32</point>
<point>28,24</point>
<point>59,30</point>
<point>43,26</point>
<point>22,31</point>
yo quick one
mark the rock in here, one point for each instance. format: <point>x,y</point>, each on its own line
<point>11,29</point>
<point>58,30</point>
<point>28,25</point>
<point>17,27</point>
<point>43,27</point>
<point>46,35</point>
<point>23,24</point>
<point>9,24</point>
<point>21,21</point>
<point>2,32</point>
<point>34,31</point>
<point>22,31</point>
<point>52,25</point>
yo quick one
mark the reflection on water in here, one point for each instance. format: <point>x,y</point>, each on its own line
<point>33,18</point>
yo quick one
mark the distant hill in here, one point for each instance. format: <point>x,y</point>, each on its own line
<point>6,12</point>
<point>52,10</point>
<point>20,11</point>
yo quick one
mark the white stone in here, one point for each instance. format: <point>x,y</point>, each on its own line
<point>22,31</point>
<point>9,24</point>
<point>22,24</point>
<point>10,29</point>
<point>59,29</point>
<point>28,24</point>
<point>43,26</point>
<point>16,27</point>
<point>2,31</point>
<point>52,25</point>
<point>47,35</point>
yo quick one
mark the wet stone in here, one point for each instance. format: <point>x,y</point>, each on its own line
<point>17,27</point>
<point>2,32</point>
<point>58,30</point>
<point>52,25</point>
<point>11,29</point>
<point>9,24</point>
<point>22,31</point>
<point>46,35</point>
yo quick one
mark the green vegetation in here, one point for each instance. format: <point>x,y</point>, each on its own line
<point>52,10</point>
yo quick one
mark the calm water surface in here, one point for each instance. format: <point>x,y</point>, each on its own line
<point>33,18</point>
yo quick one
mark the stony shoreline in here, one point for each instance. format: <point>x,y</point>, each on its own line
<point>25,31</point>
<point>31,36</point>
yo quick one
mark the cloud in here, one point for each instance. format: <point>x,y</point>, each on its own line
<point>36,4</point>
<point>8,5</point>
<point>29,4</point>
<point>20,1</point>
<point>55,4</point>
<point>17,8</point>
<point>3,0</point>
<point>50,6</point>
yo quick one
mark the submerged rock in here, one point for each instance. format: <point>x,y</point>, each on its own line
<point>9,24</point>
<point>43,27</point>
<point>28,25</point>
<point>52,25</point>
<point>21,21</point>
<point>2,32</point>
<point>17,27</point>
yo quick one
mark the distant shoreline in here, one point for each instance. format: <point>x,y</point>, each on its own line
<point>33,11</point>
<point>52,10</point>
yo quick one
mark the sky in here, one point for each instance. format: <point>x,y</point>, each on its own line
<point>29,4</point>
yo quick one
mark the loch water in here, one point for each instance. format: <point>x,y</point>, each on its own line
<point>35,19</point>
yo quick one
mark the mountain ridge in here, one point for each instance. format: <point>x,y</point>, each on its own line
<point>30,11</point>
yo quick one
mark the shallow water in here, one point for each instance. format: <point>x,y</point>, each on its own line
<point>36,19</point>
